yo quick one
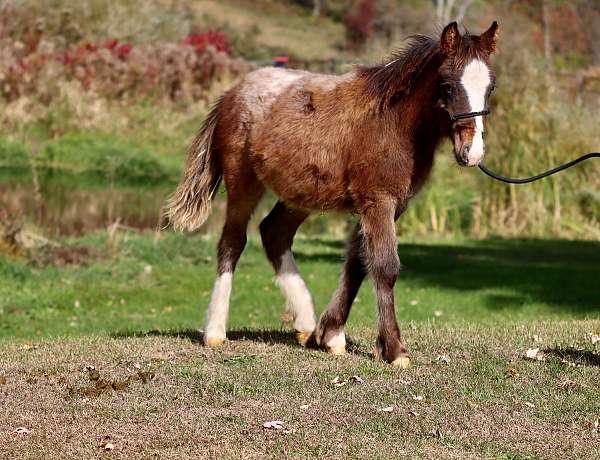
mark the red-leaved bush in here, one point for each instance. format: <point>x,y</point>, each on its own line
<point>359,24</point>
<point>178,71</point>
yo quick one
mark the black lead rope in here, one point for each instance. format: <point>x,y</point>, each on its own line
<point>527,180</point>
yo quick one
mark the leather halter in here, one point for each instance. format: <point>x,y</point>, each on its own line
<point>462,116</point>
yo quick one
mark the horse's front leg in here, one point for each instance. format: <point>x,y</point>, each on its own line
<point>381,254</point>
<point>330,332</point>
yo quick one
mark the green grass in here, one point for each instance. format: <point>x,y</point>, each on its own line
<point>134,310</point>
<point>166,396</point>
<point>136,283</point>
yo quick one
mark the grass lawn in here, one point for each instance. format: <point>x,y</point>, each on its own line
<point>132,308</point>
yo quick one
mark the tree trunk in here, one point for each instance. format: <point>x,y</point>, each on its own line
<point>546,30</point>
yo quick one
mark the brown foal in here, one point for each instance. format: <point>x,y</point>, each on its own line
<point>362,142</point>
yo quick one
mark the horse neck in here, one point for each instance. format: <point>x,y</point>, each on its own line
<point>418,110</point>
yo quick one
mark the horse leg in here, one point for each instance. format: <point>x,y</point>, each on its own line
<point>277,231</point>
<point>381,254</point>
<point>330,332</point>
<point>242,198</point>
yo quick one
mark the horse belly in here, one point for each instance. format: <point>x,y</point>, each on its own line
<point>302,181</point>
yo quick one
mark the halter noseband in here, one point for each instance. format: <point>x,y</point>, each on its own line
<point>463,116</point>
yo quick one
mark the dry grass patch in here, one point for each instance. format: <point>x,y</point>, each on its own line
<point>471,394</point>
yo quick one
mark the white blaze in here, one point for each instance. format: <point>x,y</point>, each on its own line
<point>476,80</point>
<point>216,316</point>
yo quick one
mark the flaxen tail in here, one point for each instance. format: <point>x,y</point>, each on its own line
<point>189,207</point>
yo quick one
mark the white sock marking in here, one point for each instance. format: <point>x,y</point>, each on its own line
<point>298,299</point>
<point>218,308</point>
<point>337,341</point>
<point>476,80</point>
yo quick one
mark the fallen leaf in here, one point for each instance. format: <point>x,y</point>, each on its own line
<point>595,338</point>
<point>443,359</point>
<point>274,425</point>
<point>438,313</point>
<point>511,371</point>
<point>357,379</point>
<point>418,397</point>
<point>386,409</point>
<point>106,444</point>
<point>337,382</point>
<point>304,406</point>
<point>22,431</point>
<point>414,302</point>
<point>2,380</point>
<point>534,353</point>
<point>528,404</point>
<point>413,413</point>
<point>568,384</point>
<point>28,346</point>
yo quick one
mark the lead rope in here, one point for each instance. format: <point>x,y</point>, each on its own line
<point>527,180</point>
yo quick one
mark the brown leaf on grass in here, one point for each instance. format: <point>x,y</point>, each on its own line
<point>29,346</point>
<point>106,443</point>
<point>357,379</point>
<point>93,373</point>
<point>568,384</point>
<point>385,409</point>
<point>511,372</point>
<point>22,431</point>
<point>443,359</point>
<point>100,386</point>
<point>274,425</point>
<point>338,382</point>
<point>2,380</point>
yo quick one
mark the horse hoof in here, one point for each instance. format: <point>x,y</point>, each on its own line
<point>213,341</point>
<point>302,338</point>
<point>403,362</point>
<point>336,350</point>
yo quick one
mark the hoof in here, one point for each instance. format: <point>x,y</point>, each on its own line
<point>403,362</point>
<point>302,338</point>
<point>336,350</point>
<point>213,341</point>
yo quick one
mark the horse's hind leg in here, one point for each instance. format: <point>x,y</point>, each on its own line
<point>277,231</point>
<point>242,196</point>
<point>330,332</point>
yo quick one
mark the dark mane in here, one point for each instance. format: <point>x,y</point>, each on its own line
<point>392,80</point>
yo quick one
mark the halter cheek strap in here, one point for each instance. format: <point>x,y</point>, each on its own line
<point>463,116</point>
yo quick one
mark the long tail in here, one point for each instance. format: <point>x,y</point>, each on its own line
<point>189,207</point>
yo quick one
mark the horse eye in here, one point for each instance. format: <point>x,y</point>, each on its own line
<point>447,88</point>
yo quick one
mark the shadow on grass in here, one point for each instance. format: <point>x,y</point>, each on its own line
<point>560,273</point>
<point>581,357</point>
<point>268,336</point>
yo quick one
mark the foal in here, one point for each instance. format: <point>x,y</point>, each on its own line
<point>362,142</point>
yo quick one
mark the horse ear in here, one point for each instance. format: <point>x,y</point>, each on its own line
<point>450,38</point>
<point>489,38</point>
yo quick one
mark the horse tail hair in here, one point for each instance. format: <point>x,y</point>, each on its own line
<point>189,206</point>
